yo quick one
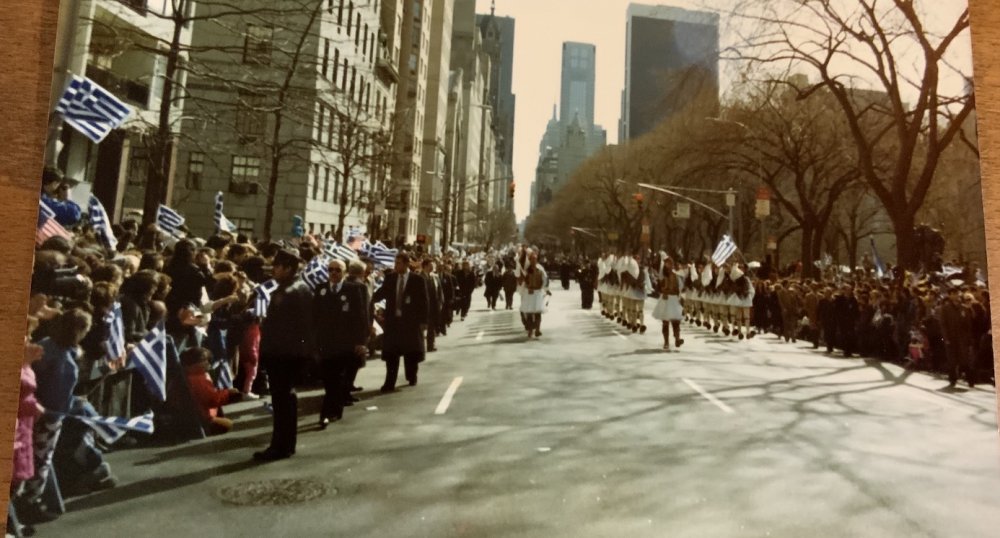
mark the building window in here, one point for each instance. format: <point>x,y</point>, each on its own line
<point>196,166</point>
<point>350,16</point>
<point>329,7</point>
<point>340,14</point>
<point>138,166</point>
<point>321,125</point>
<point>326,57</point>
<point>243,226</point>
<point>251,116</point>
<point>336,65</point>
<point>315,181</point>
<point>258,44</point>
<point>364,46</point>
<point>343,78</point>
<point>245,172</point>
<point>326,185</point>
<point>357,30</point>
<point>354,75</point>
<point>336,186</point>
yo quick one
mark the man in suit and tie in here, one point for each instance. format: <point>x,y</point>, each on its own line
<point>286,344</point>
<point>435,299</point>
<point>406,311</point>
<point>340,312</point>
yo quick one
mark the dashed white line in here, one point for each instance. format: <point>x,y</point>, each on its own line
<point>448,395</point>
<point>480,335</point>
<point>708,396</point>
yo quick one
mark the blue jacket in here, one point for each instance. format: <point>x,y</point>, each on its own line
<point>56,373</point>
<point>68,212</point>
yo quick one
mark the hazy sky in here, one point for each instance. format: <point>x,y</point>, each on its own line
<point>541,26</point>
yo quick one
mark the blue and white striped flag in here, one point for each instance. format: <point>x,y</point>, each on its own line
<point>222,224</point>
<point>150,359</point>
<point>115,344</point>
<point>365,248</point>
<point>223,375</point>
<point>112,429</point>
<point>383,255</point>
<point>169,220</point>
<point>724,250</point>
<point>262,298</point>
<point>339,252</point>
<point>101,224</point>
<point>317,272</point>
<point>91,109</point>
<point>879,266</point>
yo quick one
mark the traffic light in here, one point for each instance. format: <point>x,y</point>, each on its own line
<point>638,197</point>
<point>510,189</point>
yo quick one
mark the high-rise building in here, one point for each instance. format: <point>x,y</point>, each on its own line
<point>577,87</point>
<point>435,161</point>
<point>498,42</point>
<point>671,62</point>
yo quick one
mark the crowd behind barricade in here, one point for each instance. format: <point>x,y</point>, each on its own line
<point>97,315</point>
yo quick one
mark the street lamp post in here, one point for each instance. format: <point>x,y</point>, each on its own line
<point>760,176</point>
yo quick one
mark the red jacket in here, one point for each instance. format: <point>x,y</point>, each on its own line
<point>208,398</point>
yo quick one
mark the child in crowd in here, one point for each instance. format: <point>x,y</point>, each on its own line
<point>209,399</point>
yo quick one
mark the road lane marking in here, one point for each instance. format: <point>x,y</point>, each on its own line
<point>448,395</point>
<point>480,335</point>
<point>620,335</point>
<point>708,396</point>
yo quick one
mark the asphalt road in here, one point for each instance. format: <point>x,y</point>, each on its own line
<point>589,431</point>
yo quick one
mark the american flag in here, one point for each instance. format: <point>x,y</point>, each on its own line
<point>112,429</point>
<point>102,226</point>
<point>221,222</point>
<point>47,225</point>
<point>317,272</point>
<point>169,220</point>
<point>724,250</point>
<point>115,344</point>
<point>91,109</point>
<point>262,298</point>
<point>150,359</point>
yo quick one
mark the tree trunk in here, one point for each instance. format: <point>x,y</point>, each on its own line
<point>902,225</point>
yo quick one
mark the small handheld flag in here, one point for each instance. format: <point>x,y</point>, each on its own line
<point>262,298</point>
<point>47,225</point>
<point>317,272</point>
<point>111,429</point>
<point>222,224</point>
<point>169,220</point>
<point>150,359</point>
<point>101,224</point>
<point>724,250</point>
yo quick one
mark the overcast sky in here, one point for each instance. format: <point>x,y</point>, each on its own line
<point>541,26</point>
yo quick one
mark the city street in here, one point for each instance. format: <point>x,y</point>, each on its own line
<point>588,431</point>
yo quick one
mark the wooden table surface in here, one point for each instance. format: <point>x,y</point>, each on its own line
<point>26,51</point>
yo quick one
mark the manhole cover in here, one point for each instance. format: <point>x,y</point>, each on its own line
<point>272,492</point>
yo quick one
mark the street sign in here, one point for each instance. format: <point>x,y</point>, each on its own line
<point>730,199</point>
<point>763,208</point>
<point>763,193</point>
<point>682,211</point>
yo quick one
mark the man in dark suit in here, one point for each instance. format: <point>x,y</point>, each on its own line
<point>448,292</point>
<point>435,298</point>
<point>340,312</point>
<point>285,347</point>
<point>466,279</point>
<point>405,296</point>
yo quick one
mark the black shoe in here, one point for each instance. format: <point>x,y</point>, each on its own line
<point>270,454</point>
<point>356,389</point>
<point>642,329</point>
<point>323,423</point>
<point>740,336</point>
<point>537,333</point>
<point>386,389</point>
<point>413,382</point>
<point>431,349</point>
<point>679,342</point>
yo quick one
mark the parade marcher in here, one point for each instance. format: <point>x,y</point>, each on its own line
<point>827,318</point>
<point>956,328</point>
<point>448,286</point>
<point>533,298</point>
<point>845,312</point>
<point>493,282</point>
<point>340,315</point>
<point>435,301</point>
<point>707,293</point>
<point>406,311</point>
<point>466,280</point>
<point>740,302</point>
<point>635,284</point>
<point>811,305</point>
<point>356,272</point>
<point>565,270</point>
<point>509,283</point>
<point>669,309</point>
<point>286,346</point>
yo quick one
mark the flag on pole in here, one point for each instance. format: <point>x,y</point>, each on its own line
<point>317,272</point>
<point>150,359</point>
<point>262,298</point>
<point>47,225</point>
<point>222,224</point>
<point>339,252</point>
<point>112,429</point>
<point>91,109</point>
<point>101,224</point>
<point>114,346</point>
<point>879,266</point>
<point>169,220</point>
<point>724,250</point>
<point>383,255</point>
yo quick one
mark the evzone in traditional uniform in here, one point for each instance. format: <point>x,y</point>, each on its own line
<point>740,302</point>
<point>602,286</point>
<point>611,287</point>
<point>520,264</point>
<point>692,294</point>
<point>636,287</point>
<point>727,293</point>
<point>536,284</point>
<point>669,309</point>
<point>621,290</point>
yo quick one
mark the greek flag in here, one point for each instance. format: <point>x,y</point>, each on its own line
<point>339,252</point>
<point>383,255</point>
<point>169,220</point>
<point>262,298</point>
<point>365,247</point>
<point>150,359</point>
<point>112,429</point>
<point>222,224</point>
<point>317,272</point>
<point>223,375</point>
<point>879,266</point>
<point>115,344</point>
<point>724,250</point>
<point>102,226</point>
<point>91,109</point>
